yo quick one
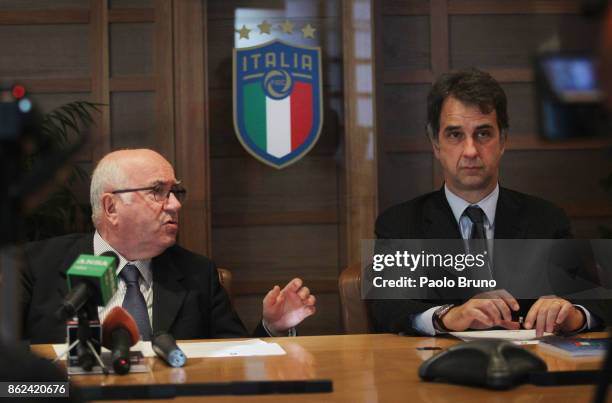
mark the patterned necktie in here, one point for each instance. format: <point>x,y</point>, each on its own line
<point>134,301</point>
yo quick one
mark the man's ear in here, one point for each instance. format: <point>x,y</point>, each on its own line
<point>434,141</point>
<point>503,138</point>
<point>109,208</point>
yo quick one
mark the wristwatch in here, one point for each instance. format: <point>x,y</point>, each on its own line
<point>438,315</point>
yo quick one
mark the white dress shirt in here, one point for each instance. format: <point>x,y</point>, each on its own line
<point>145,281</point>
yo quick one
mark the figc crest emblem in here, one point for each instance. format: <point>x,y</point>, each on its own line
<point>278,111</point>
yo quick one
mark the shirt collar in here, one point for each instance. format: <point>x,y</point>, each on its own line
<point>144,266</point>
<point>488,204</point>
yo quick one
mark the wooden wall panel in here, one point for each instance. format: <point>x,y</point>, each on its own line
<point>276,254</point>
<point>564,177</point>
<point>131,49</point>
<point>42,4</point>
<point>405,177</point>
<point>309,186</point>
<point>131,3</point>
<point>521,109</point>
<point>47,102</point>
<point>401,117</point>
<point>133,120</point>
<point>406,43</point>
<point>509,40</point>
<point>191,134</point>
<point>49,51</point>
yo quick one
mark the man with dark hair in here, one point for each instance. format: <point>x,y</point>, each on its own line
<point>467,126</point>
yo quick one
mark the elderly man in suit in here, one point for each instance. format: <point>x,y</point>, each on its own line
<point>467,126</point>
<point>136,200</point>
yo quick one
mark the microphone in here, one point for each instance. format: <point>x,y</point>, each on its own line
<point>165,347</point>
<point>119,333</point>
<point>90,279</point>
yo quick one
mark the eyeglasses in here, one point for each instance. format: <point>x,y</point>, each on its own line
<point>160,193</point>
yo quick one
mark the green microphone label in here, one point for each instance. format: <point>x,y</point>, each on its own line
<point>96,268</point>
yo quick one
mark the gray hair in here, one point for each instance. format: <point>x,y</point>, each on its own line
<point>108,174</point>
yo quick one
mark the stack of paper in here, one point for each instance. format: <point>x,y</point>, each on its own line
<point>520,336</point>
<point>240,348</point>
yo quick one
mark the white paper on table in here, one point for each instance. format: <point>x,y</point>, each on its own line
<point>240,348</point>
<point>520,336</point>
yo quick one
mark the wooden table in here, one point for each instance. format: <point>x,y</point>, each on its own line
<point>363,368</point>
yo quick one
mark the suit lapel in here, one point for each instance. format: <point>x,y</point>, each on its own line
<point>438,219</point>
<point>168,292</point>
<point>509,223</point>
<point>83,245</point>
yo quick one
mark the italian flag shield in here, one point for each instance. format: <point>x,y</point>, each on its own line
<point>277,101</point>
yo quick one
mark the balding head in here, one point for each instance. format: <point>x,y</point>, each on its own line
<point>137,223</point>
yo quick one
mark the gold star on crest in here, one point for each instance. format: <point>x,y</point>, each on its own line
<point>264,27</point>
<point>308,31</point>
<point>244,32</point>
<point>287,27</point>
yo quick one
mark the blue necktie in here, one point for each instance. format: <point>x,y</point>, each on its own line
<point>134,301</point>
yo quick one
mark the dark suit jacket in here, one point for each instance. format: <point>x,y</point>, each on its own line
<point>517,216</point>
<point>188,300</point>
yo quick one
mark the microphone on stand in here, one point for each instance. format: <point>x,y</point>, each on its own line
<point>165,347</point>
<point>119,333</point>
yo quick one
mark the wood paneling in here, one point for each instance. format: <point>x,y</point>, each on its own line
<point>131,84</point>
<point>412,52</point>
<point>42,85</point>
<point>131,49</point>
<point>408,176</point>
<point>33,17</point>
<point>126,15</point>
<point>561,176</point>
<point>405,7</point>
<point>401,117</point>
<point>275,218</point>
<point>44,51</point>
<point>271,252</point>
<point>191,136</point>
<point>358,193</point>
<point>33,5</point>
<point>504,41</point>
<point>98,56</point>
<point>46,102</point>
<point>163,78</point>
<point>515,7</point>
<point>119,4</point>
<point>246,186</point>
<point>439,32</point>
<point>132,120</point>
